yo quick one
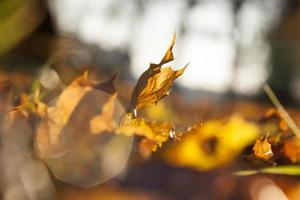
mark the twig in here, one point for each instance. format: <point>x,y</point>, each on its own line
<point>289,121</point>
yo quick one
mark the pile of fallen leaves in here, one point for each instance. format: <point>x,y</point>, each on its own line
<point>88,129</point>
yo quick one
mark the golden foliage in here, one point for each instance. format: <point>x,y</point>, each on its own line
<point>104,121</point>
<point>155,82</point>
<point>153,132</point>
<point>57,119</point>
<point>262,148</point>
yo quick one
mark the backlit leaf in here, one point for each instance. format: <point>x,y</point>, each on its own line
<point>67,105</point>
<point>154,133</point>
<point>76,136</point>
<point>155,82</point>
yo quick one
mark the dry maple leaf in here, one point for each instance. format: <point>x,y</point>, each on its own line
<point>155,82</point>
<point>80,93</point>
<point>158,131</point>
<point>154,133</point>
<point>212,144</point>
<point>75,138</point>
<point>262,148</point>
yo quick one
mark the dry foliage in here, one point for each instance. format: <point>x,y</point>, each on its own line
<point>155,82</point>
<point>86,115</point>
<point>262,148</point>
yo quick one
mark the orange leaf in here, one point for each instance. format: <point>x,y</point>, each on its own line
<point>262,148</point>
<point>154,133</point>
<point>153,130</point>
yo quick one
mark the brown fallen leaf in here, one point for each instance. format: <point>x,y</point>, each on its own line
<point>104,121</point>
<point>262,148</point>
<point>155,82</point>
<point>291,149</point>
<point>154,130</point>
<point>58,116</point>
<point>77,131</point>
<point>154,133</point>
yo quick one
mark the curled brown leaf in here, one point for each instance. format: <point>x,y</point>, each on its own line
<point>155,82</point>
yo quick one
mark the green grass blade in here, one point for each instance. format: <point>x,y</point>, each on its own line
<point>292,170</point>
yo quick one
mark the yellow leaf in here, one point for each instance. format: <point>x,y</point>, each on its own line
<point>153,130</point>
<point>212,144</point>
<point>155,82</point>
<point>76,113</point>
<point>154,133</point>
<point>104,121</point>
<point>262,148</point>
<point>75,137</point>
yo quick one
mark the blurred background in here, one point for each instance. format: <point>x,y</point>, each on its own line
<point>233,48</point>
